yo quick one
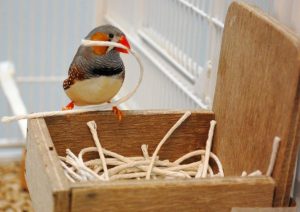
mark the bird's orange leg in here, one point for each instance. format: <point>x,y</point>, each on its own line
<point>117,112</point>
<point>69,106</point>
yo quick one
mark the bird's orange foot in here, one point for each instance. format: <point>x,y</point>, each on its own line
<point>117,112</point>
<point>69,106</point>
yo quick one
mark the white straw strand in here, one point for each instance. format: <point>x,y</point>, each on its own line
<point>169,133</point>
<point>144,148</point>
<point>255,173</point>
<point>99,107</point>
<point>93,128</point>
<point>207,150</point>
<point>71,172</point>
<point>275,148</point>
<point>85,171</point>
<point>244,174</point>
<point>201,152</point>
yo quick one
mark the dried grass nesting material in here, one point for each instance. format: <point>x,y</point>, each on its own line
<point>12,197</point>
<point>113,166</point>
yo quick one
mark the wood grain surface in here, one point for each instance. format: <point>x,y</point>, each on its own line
<point>48,187</point>
<point>285,209</point>
<point>136,128</point>
<point>257,96</point>
<point>218,194</point>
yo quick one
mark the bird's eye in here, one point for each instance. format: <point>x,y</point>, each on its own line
<point>110,35</point>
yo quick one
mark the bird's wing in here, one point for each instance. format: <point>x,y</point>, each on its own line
<point>74,74</point>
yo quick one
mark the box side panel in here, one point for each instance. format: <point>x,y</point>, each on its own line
<point>219,194</point>
<point>257,96</point>
<point>286,209</point>
<point>37,180</point>
<point>137,127</point>
<point>49,190</point>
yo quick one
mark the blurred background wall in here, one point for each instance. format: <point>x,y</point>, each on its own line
<point>40,38</point>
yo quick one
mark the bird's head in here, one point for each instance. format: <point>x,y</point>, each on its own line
<point>107,33</point>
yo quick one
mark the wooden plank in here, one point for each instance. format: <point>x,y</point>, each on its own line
<point>218,194</point>
<point>48,187</point>
<point>286,209</point>
<point>257,96</point>
<point>127,136</point>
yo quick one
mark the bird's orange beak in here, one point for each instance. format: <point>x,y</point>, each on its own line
<point>123,40</point>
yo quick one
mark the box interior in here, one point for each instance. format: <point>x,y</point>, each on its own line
<point>126,137</point>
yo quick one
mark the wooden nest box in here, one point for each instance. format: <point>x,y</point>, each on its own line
<point>256,98</point>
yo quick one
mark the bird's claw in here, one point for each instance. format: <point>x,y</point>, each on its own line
<point>69,106</point>
<point>117,112</point>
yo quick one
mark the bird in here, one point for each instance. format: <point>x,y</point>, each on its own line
<point>97,73</point>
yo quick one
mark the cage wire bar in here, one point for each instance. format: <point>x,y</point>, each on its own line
<point>187,33</point>
<point>181,35</point>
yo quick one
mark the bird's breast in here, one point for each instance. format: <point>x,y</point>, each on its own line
<point>94,90</point>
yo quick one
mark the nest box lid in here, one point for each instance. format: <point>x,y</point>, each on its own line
<point>257,96</point>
